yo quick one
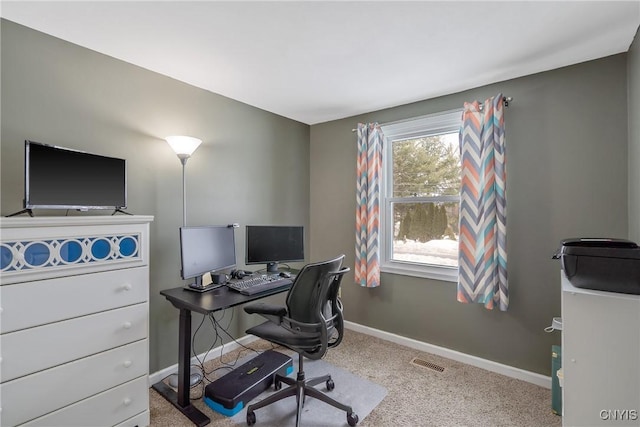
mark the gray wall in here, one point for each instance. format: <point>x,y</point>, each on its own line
<point>251,168</point>
<point>567,177</point>
<point>633,59</point>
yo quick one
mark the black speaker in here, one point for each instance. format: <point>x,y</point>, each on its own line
<point>219,279</point>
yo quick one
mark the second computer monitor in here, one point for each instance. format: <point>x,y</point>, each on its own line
<point>206,249</point>
<point>271,244</point>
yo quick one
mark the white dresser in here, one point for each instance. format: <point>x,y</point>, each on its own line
<point>600,357</point>
<point>74,321</point>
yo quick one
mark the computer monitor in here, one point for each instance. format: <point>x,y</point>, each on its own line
<point>271,244</point>
<point>206,249</point>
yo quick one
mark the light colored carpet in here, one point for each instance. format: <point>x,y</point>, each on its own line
<point>461,395</point>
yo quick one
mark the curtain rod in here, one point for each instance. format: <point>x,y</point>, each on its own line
<point>505,100</point>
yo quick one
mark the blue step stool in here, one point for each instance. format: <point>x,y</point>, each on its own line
<point>230,393</point>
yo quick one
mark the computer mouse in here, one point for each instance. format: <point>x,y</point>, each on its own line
<point>285,274</point>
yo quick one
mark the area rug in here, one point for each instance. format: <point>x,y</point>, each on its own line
<point>362,395</point>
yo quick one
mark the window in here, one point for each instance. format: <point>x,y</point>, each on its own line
<point>421,197</point>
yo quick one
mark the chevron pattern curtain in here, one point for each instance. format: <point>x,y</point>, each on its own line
<point>369,169</point>
<point>483,206</point>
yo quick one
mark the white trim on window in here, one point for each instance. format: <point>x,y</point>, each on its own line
<point>437,272</point>
<point>433,124</point>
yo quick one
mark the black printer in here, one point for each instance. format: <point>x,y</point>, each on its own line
<point>611,265</point>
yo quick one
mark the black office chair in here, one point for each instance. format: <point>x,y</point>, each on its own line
<point>310,323</point>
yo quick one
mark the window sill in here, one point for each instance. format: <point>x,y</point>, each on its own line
<point>428,272</point>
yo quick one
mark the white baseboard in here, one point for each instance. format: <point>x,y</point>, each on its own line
<point>499,368</point>
<point>204,357</point>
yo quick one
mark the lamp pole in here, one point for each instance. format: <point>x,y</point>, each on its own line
<point>183,159</point>
<point>183,146</point>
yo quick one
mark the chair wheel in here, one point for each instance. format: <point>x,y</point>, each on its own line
<point>330,384</point>
<point>352,419</point>
<point>277,385</point>
<point>251,418</point>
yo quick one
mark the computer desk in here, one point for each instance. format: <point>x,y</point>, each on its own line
<point>205,303</point>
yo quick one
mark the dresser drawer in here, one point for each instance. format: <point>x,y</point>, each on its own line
<point>36,349</point>
<point>29,304</point>
<point>140,420</point>
<point>27,398</point>
<point>105,409</point>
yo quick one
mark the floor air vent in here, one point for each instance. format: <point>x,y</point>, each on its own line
<point>425,364</point>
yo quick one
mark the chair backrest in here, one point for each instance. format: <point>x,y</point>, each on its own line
<point>313,300</point>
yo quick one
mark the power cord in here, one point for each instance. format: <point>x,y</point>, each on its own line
<point>219,330</point>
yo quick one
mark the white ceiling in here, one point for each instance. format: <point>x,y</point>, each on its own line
<point>319,61</point>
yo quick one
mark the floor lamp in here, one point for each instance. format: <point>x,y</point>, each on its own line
<point>184,146</point>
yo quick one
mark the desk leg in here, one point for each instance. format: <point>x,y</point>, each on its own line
<point>181,399</point>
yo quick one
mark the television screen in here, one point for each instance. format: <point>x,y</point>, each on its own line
<point>271,244</point>
<point>62,178</point>
<point>206,249</point>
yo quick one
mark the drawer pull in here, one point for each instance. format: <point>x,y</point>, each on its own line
<point>127,363</point>
<point>127,325</point>
<point>127,287</point>
<point>126,401</point>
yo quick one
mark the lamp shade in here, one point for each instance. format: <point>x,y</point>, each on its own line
<point>183,146</point>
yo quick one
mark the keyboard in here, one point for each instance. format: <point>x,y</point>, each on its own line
<point>259,284</point>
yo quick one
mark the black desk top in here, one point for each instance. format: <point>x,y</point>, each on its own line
<point>214,300</point>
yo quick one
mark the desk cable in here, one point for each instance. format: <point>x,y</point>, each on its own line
<point>200,364</point>
<point>219,329</point>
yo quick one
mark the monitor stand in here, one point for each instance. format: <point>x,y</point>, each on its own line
<point>121,211</point>
<point>29,211</point>
<point>272,267</point>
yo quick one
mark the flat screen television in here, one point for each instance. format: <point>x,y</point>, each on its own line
<point>62,178</point>
<point>272,244</point>
<point>206,249</point>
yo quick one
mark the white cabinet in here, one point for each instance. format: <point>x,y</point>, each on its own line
<point>600,357</point>
<point>74,321</point>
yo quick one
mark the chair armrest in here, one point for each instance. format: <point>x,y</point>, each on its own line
<point>266,309</point>
<point>340,272</point>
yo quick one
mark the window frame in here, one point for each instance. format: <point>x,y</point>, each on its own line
<point>429,125</point>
